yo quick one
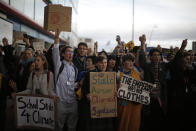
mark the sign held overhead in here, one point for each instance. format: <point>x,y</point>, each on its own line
<point>57,17</point>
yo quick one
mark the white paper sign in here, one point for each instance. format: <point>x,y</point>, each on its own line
<point>39,46</point>
<point>33,111</point>
<point>135,90</point>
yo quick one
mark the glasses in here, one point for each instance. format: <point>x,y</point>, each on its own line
<point>69,52</point>
<point>82,48</point>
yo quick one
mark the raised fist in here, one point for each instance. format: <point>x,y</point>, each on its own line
<point>184,43</point>
<point>142,38</point>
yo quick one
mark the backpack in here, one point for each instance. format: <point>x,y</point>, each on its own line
<point>61,69</point>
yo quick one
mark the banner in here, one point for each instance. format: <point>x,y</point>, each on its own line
<point>33,111</point>
<point>102,90</point>
<point>135,90</point>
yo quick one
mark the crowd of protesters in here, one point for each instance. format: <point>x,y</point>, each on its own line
<point>64,73</point>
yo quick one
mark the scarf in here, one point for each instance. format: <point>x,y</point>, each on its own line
<point>156,91</point>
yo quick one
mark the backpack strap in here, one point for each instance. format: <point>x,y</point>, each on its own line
<point>76,72</point>
<point>60,70</point>
<point>48,78</point>
<point>33,74</point>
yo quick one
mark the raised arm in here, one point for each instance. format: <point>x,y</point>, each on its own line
<point>182,48</point>
<point>142,54</point>
<point>56,54</point>
<point>176,61</point>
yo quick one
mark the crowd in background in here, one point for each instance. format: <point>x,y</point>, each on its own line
<point>63,72</point>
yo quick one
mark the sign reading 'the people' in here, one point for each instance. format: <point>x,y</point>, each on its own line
<point>102,90</point>
<point>135,90</point>
<point>35,111</point>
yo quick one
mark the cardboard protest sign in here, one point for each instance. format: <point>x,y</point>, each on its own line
<point>135,90</point>
<point>39,46</point>
<point>17,35</point>
<point>57,17</point>
<point>33,111</point>
<point>102,90</point>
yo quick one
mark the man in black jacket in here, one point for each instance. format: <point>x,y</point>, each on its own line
<point>80,58</point>
<point>181,96</point>
<point>155,73</point>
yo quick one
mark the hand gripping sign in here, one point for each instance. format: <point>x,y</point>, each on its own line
<point>135,90</point>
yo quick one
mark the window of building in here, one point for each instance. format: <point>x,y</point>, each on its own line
<point>6,1</point>
<point>19,5</point>
<point>39,12</point>
<point>29,8</point>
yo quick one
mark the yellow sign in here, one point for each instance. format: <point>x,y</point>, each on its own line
<point>130,45</point>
